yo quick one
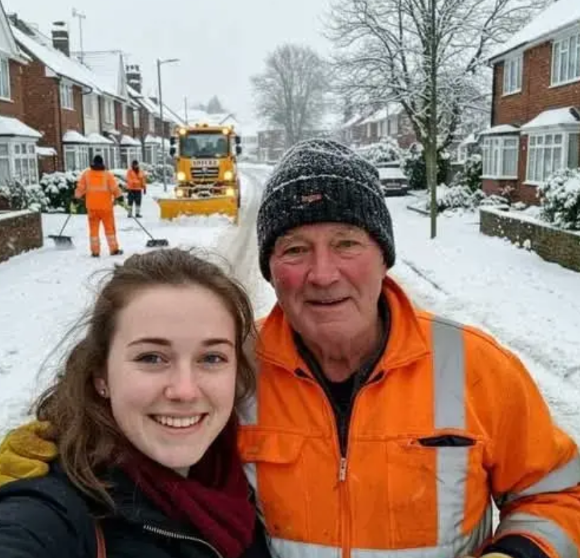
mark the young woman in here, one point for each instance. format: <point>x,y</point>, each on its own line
<point>143,413</point>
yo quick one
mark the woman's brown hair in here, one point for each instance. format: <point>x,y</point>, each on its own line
<point>86,433</point>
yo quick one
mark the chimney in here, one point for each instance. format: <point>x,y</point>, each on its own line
<point>134,78</point>
<point>60,37</point>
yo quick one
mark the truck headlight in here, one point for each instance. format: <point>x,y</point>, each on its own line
<point>230,192</point>
<point>181,176</point>
<point>228,175</point>
<point>179,192</point>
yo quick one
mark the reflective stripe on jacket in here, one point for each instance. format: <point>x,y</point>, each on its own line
<point>448,421</point>
<point>135,180</point>
<point>99,187</point>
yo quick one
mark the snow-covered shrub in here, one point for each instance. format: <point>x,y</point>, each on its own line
<point>415,167</point>
<point>59,188</point>
<point>560,199</point>
<point>20,196</point>
<point>470,174</point>
<point>154,173</point>
<point>451,197</point>
<point>121,176</point>
<point>385,151</point>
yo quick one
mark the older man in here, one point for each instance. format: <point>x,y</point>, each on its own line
<point>378,431</point>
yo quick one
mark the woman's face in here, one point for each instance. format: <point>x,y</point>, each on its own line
<point>171,373</point>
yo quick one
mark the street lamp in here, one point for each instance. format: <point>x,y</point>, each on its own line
<point>159,64</point>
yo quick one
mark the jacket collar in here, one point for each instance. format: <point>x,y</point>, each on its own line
<point>406,341</point>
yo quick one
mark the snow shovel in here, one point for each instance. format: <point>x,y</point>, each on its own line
<point>154,242</point>
<point>60,240</point>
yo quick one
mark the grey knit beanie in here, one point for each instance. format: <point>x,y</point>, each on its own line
<point>322,181</point>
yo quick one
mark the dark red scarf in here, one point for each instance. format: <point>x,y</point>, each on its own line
<point>214,499</point>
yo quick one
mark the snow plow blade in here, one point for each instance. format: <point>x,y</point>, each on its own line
<point>224,205</point>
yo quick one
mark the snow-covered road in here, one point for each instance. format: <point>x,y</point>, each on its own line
<point>530,305</point>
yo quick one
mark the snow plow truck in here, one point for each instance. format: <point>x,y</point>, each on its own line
<point>208,181</point>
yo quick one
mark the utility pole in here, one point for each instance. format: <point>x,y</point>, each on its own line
<point>159,64</point>
<point>80,16</point>
<point>431,158</point>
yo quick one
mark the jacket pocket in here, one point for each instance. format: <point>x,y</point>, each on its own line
<point>275,467</point>
<point>437,486</point>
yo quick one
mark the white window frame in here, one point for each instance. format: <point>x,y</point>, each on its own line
<point>549,149</point>
<point>5,90</point>
<point>67,99</point>
<point>89,106</point>
<point>22,159</point>
<point>108,111</point>
<point>494,150</point>
<point>151,123</point>
<point>566,59</point>
<point>512,74</point>
<point>80,155</point>
<point>136,118</point>
<point>125,114</point>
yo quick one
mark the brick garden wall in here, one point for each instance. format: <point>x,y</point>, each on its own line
<point>552,245</point>
<point>20,231</point>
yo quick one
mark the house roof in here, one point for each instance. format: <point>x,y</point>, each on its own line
<point>13,127</point>
<point>383,113</point>
<point>8,44</point>
<point>501,129</point>
<point>110,69</point>
<point>127,141</point>
<point>560,117</point>
<point>98,139</point>
<point>71,136</point>
<point>556,17</point>
<point>56,61</point>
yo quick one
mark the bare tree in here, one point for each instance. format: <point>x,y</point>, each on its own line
<point>429,55</point>
<point>290,92</point>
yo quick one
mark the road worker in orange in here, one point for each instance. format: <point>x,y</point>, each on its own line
<point>100,189</point>
<point>136,188</point>
<point>377,430</point>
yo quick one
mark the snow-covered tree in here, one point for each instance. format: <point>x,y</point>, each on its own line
<point>429,55</point>
<point>290,92</point>
<point>214,106</point>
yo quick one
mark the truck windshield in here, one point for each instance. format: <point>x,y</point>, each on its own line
<point>204,145</point>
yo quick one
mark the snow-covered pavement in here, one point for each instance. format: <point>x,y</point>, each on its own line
<point>528,304</point>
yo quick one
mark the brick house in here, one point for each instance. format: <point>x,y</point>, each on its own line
<point>389,121</point>
<point>18,142</point>
<point>535,126</point>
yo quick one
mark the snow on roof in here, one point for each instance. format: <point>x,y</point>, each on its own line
<point>128,141</point>
<point>58,62</point>
<point>383,113</point>
<point>98,139</point>
<point>556,17</point>
<point>554,117</point>
<point>13,127</point>
<point>151,139</point>
<point>469,140</point>
<point>110,68</point>
<point>501,129</point>
<point>72,136</point>
<point>45,151</point>
<point>351,121</point>
<point>8,44</point>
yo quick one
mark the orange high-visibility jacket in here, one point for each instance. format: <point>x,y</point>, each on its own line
<point>99,187</point>
<point>136,180</point>
<point>448,422</point>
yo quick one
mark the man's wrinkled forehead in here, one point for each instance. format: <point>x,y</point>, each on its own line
<point>333,229</point>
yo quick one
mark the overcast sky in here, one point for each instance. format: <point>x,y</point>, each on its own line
<point>220,43</point>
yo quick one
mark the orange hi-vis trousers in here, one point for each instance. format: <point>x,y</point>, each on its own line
<point>105,216</point>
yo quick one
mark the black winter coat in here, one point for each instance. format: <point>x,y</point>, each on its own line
<point>47,517</point>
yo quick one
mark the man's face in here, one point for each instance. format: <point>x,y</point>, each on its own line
<point>328,279</point>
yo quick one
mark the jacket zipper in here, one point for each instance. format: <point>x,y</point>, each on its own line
<point>180,536</point>
<point>342,434</point>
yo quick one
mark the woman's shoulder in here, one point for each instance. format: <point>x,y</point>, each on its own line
<point>46,514</point>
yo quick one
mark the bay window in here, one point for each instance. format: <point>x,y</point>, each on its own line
<point>549,153</point>
<point>500,157</point>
